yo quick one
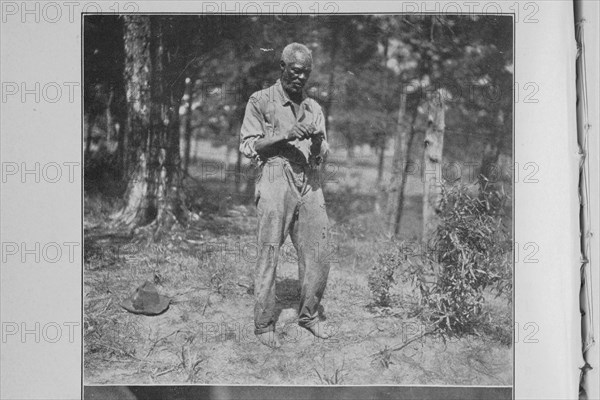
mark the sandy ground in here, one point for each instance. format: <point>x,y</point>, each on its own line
<point>206,335</point>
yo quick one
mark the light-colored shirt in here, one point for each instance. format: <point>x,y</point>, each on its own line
<point>270,112</point>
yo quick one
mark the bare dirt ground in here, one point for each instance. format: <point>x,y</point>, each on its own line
<point>206,336</point>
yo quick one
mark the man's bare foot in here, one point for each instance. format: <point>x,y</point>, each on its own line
<point>270,339</point>
<point>319,330</point>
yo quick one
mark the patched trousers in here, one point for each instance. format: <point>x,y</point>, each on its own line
<point>289,200</point>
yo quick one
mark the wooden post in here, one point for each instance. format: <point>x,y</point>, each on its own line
<point>432,164</point>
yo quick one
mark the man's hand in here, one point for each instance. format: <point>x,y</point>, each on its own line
<point>300,131</point>
<point>317,136</point>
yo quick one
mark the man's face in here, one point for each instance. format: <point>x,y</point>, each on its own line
<point>294,75</point>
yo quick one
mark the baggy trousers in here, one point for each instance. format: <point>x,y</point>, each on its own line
<point>289,200</point>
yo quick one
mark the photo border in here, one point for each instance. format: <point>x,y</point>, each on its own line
<point>450,392</point>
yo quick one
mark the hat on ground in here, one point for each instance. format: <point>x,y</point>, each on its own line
<point>146,301</point>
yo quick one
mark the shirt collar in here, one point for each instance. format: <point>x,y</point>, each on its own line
<point>283,96</point>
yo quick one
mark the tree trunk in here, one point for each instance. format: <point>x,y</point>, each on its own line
<point>124,148</point>
<point>398,162</point>
<point>249,175</point>
<point>432,164</point>
<point>238,161</point>
<point>109,118</point>
<point>489,175</point>
<point>350,149</point>
<point>380,163</point>
<point>88,139</point>
<point>123,132</point>
<point>187,98</point>
<point>400,206</point>
<point>238,118</point>
<point>328,105</point>
<point>382,188</point>
<point>138,69</point>
<point>153,199</point>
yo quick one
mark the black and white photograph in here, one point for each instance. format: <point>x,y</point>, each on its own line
<point>308,200</point>
<point>298,199</point>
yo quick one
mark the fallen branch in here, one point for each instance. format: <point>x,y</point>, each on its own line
<point>107,305</point>
<point>164,372</point>
<point>206,304</point>
<point>398,348</point>
<point>158,340</point>
<point>118,351</point>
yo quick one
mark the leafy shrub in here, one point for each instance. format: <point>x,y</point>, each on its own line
<point>470,247</point>
<point>217,271</point>
<point>381,278</point>
<point>469,252</point>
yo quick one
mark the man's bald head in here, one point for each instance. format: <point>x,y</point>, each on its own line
<point>296,66</point>
<point>296,52</point>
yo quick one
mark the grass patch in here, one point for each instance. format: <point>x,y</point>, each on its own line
<point>206,336</point>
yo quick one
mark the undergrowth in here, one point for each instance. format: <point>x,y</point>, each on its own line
<point>468,255</point>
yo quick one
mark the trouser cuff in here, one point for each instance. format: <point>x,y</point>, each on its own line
<point>308,322</point>
<point>270,328</point>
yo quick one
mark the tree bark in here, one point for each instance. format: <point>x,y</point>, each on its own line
<point>382,139</point>
<point>109,118</point>
<point>187,98</point>
<point>88,139</point>
<point>380,163</point>
<point>238,161</point>
<point>404,177</point>
<point>153,199</point>
<point>432,164</point>
<point>138,69</point>
<point>396,184</point>
<point>238,117</point>
<point>489,173</point>
<point>350,148</point>
<point>328,105</point>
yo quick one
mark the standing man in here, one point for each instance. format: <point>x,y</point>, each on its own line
<point>284,131</point>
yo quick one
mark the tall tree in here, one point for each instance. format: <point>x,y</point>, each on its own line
<point>395,197</point>
<point>187,130</point>
<point>104,96</point>
<point>153,199</point>
<point>459,55</point>
<point>402,131</point>
<point>432,164</point>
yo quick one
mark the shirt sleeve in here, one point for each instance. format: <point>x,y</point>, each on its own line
<point>252,129</point>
